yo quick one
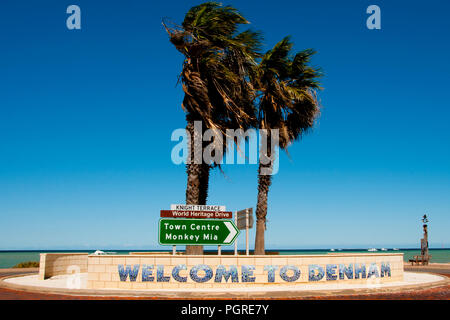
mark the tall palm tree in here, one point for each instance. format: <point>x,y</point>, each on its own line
<point>287,102</point>
<point>216,82</point>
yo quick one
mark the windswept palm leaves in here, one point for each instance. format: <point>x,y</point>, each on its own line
<point>287,102</point>
<point>225,88</point>
<point>216,81</point>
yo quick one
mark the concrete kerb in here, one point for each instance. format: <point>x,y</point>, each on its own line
<point>225,295</point>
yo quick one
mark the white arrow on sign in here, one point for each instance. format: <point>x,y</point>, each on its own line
<point>232,230</point>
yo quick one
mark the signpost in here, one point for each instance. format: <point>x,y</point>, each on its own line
<point>194,211</point>
<point>197,232</point>
<point>244,220</point>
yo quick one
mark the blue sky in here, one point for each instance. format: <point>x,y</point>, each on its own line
<point>86,118</point>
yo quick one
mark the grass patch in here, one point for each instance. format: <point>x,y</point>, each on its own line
<point>27,264</point>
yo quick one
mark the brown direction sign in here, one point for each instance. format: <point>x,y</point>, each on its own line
<point>196,214</point>
<point>242,219</point>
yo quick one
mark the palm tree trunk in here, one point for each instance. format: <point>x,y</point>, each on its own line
<point>197,181</point>
<point>264,182</point>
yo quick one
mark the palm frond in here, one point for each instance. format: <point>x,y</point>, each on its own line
<point>287,89</point>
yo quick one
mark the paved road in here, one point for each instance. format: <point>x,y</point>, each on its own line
<point>11,272</point>
<point>439,293</point>
<point>439,270</point>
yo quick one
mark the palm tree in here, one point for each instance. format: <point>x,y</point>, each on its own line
<point>287,102</point>
<point>216,82</point>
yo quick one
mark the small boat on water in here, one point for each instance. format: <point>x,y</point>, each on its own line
<point>100,253</point>
<point>396,249</point>
<point>384,249</point>
<point>372,250</point>
<point>332,250</point>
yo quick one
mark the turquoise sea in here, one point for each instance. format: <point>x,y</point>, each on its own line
<point>10,258</point>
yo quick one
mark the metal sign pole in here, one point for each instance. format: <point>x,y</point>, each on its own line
<point>246,231</point>
<point>235,242</point>
<point>219,250</point>
<point>174,250</point>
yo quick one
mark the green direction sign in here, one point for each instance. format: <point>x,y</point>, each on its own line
<point>197,232</point>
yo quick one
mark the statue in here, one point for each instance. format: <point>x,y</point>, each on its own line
<point>424,257</point>
<point>424,242</point>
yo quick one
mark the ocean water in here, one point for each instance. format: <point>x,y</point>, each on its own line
<point>9,259</point>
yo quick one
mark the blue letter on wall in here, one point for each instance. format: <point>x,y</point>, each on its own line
<point>123,273</point>
<point>360,269</point>
<point>147,273</point>
<point>294,277</point>
<point>206,269</point>
<point>247,273</point>
<point>160,277</point>
<point>347,271</point>
<point>270,272</point>
<point>385,269</point>
<point>312,272</point>
<point>176,273</point>
<point>222,272</point>
<point>331,272</point>
<point>373,271</point>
